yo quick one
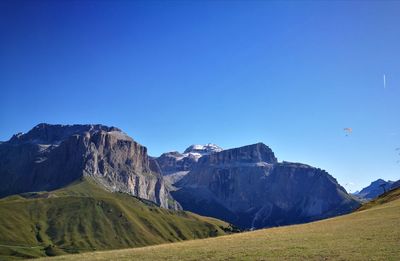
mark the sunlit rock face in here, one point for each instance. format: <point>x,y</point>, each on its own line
<point>175,165</point>
<point>52,156</point>
<point>249,188</point>
<point>246,186</point>
<point>172,162</point>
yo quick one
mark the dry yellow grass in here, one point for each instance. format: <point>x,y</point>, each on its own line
<point>372,234</point>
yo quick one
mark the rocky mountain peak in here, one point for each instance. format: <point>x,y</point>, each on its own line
<point>375,189</point>
<point>45,133</point>
<point>379,182</point>
<point>249,188</point>
<point>51,156</point>
<point>172,162</point>
<point>203,149</point>
<point>255,153</point>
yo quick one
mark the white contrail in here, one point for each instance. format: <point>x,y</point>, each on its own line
<point>384,81</point>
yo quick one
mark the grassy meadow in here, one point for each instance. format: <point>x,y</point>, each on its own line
<point>372,233</point>
<point>83,217</point>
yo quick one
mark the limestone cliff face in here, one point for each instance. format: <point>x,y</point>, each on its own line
<point>172,162</point>
<point>248,187</point>
<point>249,154</point>
<point>52,156</point>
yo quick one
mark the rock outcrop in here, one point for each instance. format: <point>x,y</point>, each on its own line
<point>173,162</point>
<point>249,188</point>
<point>51,156</point>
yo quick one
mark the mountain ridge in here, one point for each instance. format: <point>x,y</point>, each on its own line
<point>52,156</point>
<point>248,187</point>
<point>375,189</point>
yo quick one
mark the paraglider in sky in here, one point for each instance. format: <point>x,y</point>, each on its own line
<point>348,131</point>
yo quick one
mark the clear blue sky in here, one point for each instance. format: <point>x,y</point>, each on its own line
<point>170,74</point>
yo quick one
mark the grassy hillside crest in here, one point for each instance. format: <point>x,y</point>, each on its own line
<point>83,217</point>
<point>382,199</point>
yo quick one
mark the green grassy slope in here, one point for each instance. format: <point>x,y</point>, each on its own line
<point>84,217</point>
<point>371,234</point>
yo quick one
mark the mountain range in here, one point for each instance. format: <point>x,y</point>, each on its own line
<point>247,186</point>
<point>376,188</point>
<point>76,188</point>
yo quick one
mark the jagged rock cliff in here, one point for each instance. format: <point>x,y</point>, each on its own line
<point>52,156</point>
<point>249,188</point>
<point>172,162</point>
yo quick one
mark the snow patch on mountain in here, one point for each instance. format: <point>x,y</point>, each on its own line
<point>172,162</point>
<point>198,151</point>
